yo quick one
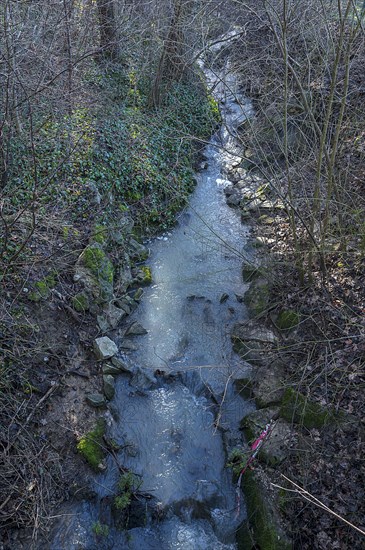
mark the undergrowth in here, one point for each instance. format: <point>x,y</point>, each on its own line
<point>121,155</point>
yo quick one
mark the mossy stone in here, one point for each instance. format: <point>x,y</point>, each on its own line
<point>257,297</point>
<point>100,234</point>
<point>244,537</point>
<point>275,449</point>
<point>95,259</point>
<point>90,445</point>
<point>96,270</point>
<point>287,319</point>
<point>295,407</point>
<point>80,302</point>
<point>138,294</point>
<point>147,279</point>
<point>263,515</point>
<point>42,288</point>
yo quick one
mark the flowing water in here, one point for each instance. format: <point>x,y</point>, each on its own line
<point>175,426</point>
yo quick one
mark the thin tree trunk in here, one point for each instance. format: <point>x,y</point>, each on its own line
<point>172,65</point>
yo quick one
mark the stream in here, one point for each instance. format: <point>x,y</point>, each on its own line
<point>177,415</point>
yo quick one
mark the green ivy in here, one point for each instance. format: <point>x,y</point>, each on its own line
<point>142,157</point>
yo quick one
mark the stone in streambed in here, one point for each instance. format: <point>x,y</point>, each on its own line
<point>136,329</point>
<point>111,369</point>
<point>257,297</point>
<point>137,251</point>
<point>96,400</point>
<point>121,365</point>
<point>105,348</point>
<point>127,304</point>
<point>143,379</point>
<point>138,294</point>
<point>108,386</point>
<point>114,315</point>
<point>111,318</point>
<point>268,385</point>
<point>128,345</point>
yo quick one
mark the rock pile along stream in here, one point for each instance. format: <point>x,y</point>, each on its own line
<point>175,414</point>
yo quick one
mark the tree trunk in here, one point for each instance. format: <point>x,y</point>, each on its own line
<point>172,65</point>
<point>107,25</point>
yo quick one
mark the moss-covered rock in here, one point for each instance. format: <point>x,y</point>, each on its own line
<point>257,297</point>
<point>144,276</point>
<point>100,234</point>
<point>295,407</point>
<point>96,270</point>
<point>263,514</point>
<point>42,288</point>
<point>95,259</point>
<point>128,485</point>
<point>287,319</point>
<point>90,446</point>
<point>138,294</point>
<point>137,251</point>
<point>244,537</point>
<point>80,302</point>
<point>100,529</point>
<point>268,384</point>
<point>275,448</point>
<point>252,341</point>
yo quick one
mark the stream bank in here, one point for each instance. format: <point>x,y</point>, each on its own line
<point>313,374</point>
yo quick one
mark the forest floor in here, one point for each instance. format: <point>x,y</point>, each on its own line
<point>324,358</point>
